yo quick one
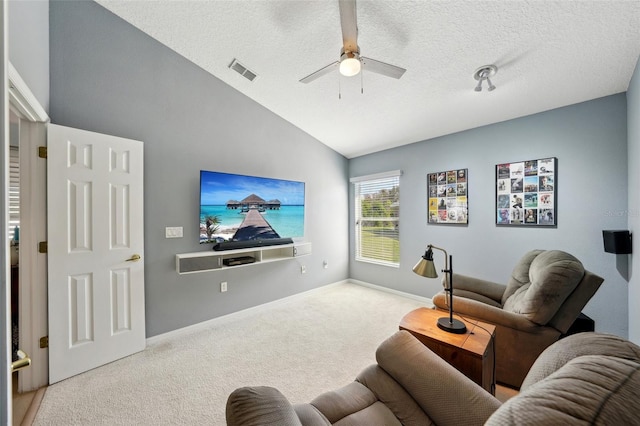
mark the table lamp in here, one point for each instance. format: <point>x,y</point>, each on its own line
<point>425,268</point>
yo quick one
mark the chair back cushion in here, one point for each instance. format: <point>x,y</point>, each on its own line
<point>520,274</point>
<point>588,343</point>
<point>588,390</point>
<point>552,276</point>
<point>424,375</point>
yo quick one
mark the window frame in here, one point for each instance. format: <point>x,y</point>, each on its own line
<point>389,179</point>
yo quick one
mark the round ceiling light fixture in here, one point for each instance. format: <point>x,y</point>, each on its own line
<point>484,73</point>
<point>350,64</point>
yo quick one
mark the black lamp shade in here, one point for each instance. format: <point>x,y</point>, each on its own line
<point>618,242</point>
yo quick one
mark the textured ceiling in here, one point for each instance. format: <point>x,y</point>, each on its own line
<point>549,54</point>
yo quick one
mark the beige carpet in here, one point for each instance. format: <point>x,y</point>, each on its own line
<point>304,345</point>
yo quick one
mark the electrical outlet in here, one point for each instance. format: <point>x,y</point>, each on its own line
<point>303,269</point>
<point>223,287</point>
<point>325,264</point>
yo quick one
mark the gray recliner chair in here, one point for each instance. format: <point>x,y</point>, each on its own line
<point>544,296</point>
<point>586,378</point>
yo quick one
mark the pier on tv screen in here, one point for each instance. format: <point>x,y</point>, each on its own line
<point>242,208</point>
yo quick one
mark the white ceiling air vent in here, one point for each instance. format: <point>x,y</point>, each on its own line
<point>242,70</point>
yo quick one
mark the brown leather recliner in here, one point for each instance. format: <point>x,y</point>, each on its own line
<point>544,296</point>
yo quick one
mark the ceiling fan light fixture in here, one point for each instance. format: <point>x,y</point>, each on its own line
<point>350,64</point>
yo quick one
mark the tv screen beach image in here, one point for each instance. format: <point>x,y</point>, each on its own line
<point>243,208</point>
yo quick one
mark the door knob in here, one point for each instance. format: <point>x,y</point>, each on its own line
<point>23,361</point>
<point>134,258</point>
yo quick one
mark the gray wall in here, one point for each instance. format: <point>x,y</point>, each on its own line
<point>108,77</point>
<point>633,213</point>
<point>590,142</point>
<point>29,45</point>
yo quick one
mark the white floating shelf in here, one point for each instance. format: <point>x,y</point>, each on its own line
<point>203,261</point>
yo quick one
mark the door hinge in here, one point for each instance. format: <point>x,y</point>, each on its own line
<point>44,342</point>
<point>43,247</point>
<point>42,151</point>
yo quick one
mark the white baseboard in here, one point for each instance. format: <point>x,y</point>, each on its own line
<point>234,316</point>
<point>425,300</point>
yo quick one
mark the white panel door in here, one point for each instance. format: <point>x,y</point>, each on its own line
<point>96,250</point>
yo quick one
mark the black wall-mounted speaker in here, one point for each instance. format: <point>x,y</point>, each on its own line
<point>618,242</point>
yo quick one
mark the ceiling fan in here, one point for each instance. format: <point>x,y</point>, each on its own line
<point>351,62</point>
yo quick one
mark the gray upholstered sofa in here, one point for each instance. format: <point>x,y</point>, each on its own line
<point>586,378</point>
<point>543,297</point>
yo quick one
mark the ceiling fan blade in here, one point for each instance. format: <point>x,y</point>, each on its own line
<point>382,68</point>
<point>317,74</point>
<point>349,24</point>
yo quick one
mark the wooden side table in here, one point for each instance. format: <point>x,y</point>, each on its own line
<point>472,353</point>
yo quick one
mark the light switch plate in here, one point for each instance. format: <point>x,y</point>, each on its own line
<point>173,232</point>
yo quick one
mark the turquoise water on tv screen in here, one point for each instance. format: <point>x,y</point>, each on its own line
<point>288,221</point>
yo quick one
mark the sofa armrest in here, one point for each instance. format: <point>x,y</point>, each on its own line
<point>486,313</point>
<point>489,289</point>
<point>260,406</point>
<point>441,300</point>
<point>446,395</point>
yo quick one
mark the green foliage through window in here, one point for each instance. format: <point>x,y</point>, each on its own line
<point>377,220</point>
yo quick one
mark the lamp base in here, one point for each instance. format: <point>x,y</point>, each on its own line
<point>455,326</point>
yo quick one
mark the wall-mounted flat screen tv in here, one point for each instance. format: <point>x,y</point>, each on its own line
<point>243,208</point>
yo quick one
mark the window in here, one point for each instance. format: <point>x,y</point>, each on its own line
<point>377,207</point>
<point>14,190</point>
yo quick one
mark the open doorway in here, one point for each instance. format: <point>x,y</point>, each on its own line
<point>26,226</point>
<point>13,225</point>
<point>22,400</point>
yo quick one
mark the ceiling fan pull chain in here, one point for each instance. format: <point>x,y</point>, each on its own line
<point>339,88</point>
<point>361,83</point>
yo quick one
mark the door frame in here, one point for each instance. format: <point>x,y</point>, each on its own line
<point>33,219</point>
<point>5,286</point>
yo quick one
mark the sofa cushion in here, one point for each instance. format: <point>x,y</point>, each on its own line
<point>375,414</point>
<point>552,276</point>
<point>354,404</point>
<point>339,403</point>
<point>591,389</point>
<point>310,416</point>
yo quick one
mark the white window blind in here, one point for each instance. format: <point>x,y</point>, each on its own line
<point>14,190</point>
<point>377,206</point>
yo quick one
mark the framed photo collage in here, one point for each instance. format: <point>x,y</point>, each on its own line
<point>526,193</point>
<point>447,197</point>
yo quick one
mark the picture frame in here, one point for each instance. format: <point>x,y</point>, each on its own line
<point>447,197</point>
<point>526,193</point>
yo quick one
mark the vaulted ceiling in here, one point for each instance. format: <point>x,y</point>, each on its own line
<point>549,54</point>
